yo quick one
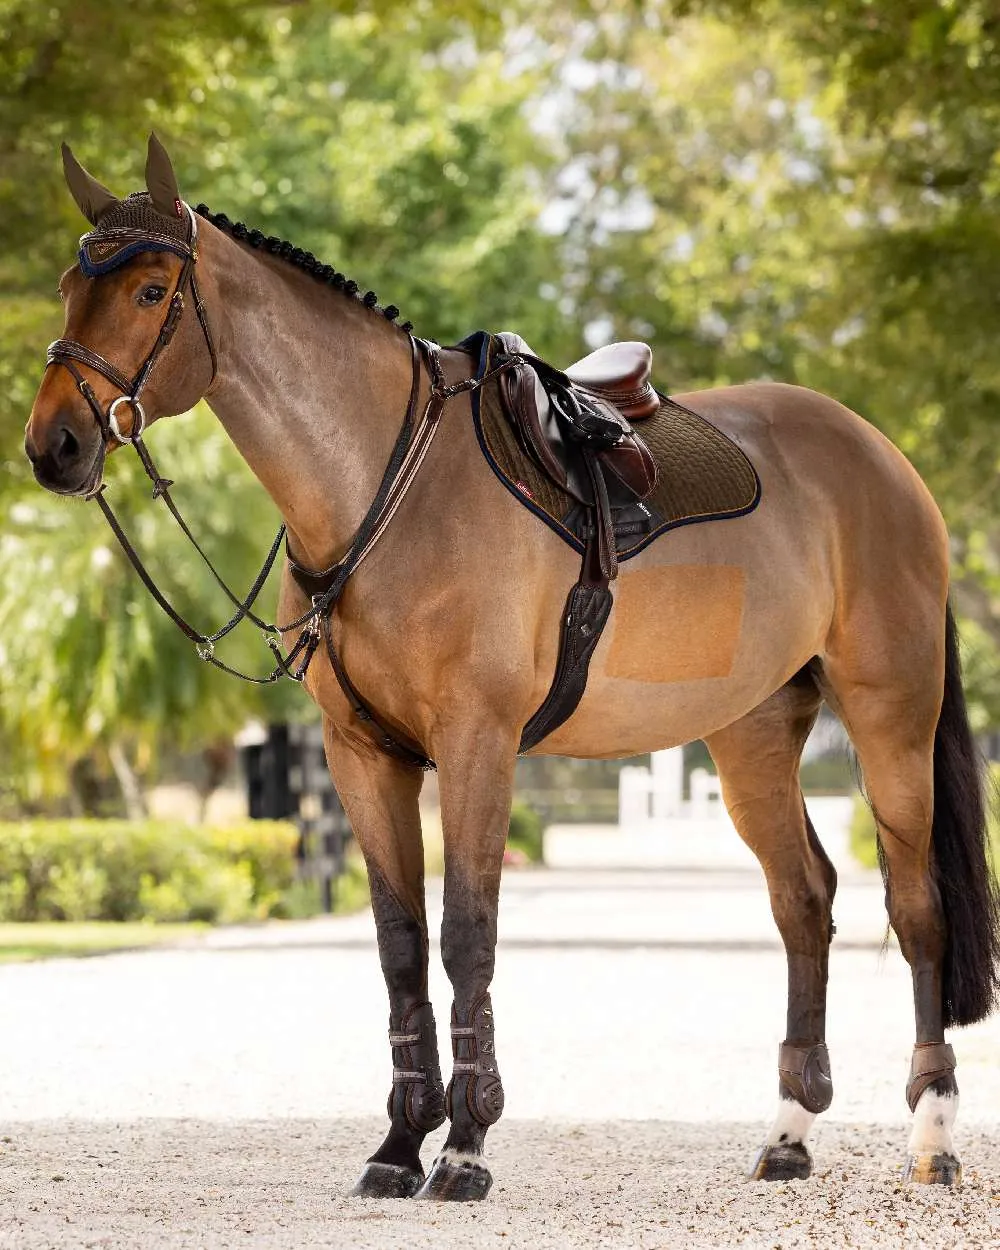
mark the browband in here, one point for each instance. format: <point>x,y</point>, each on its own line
<point>100,252</point>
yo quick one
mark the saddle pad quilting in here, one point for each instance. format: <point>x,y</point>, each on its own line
<point>703,475</point>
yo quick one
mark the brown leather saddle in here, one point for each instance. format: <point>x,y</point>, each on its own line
<point>562,442</point>
<point>576,426</point>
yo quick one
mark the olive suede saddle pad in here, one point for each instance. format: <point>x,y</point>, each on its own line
<point>701,474</point>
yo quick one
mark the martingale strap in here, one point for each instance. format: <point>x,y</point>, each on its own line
<point>324,588</point>
<point>110,246</point>
<point>584,617</point>
<point>327,585</point>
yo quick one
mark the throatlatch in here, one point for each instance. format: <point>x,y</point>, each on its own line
<point>475,1070</point>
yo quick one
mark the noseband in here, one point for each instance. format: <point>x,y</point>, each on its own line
<point>100,251</point>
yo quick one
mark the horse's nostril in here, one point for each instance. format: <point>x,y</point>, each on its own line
<point>67,447</point>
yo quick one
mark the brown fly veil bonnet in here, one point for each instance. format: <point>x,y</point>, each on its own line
<point>154,220</point>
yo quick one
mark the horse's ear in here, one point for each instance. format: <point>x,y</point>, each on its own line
<point>161,181</point>
<point>92,198</point>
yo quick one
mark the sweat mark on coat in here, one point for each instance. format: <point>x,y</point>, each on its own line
<point>680,622</point>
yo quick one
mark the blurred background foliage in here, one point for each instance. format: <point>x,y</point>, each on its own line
<point>783,188</point>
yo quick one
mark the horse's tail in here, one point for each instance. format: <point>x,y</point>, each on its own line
<point>962,863</point>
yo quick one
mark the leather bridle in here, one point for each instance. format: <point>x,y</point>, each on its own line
<point>124,242</point>
<point>66,352</point>
<point>325,587</point>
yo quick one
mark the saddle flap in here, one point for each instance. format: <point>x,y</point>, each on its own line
<point>527,406</point>
<point>619,449</point>
<point>553,427</point>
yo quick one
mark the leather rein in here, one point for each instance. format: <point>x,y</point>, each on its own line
<point>324,587</point>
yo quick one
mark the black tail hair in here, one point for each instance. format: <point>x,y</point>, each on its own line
<point>962,864</point>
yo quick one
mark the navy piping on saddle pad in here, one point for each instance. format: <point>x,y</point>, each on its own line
<point>479,344</point>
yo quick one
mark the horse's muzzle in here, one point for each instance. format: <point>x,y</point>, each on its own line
<point>66,462</point>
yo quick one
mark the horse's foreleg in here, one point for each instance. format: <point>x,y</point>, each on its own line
<point>476,776</point>
<point>380,797</point>
<point>758,759</point>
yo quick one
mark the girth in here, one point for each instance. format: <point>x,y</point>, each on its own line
<point>584,443</point>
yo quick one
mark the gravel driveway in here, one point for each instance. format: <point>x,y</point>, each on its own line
<point>225,1094</point>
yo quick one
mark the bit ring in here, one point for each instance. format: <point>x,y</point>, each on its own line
<point>138,419</point>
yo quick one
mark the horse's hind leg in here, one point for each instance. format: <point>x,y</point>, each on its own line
<point>380,797</point>
<point>758,763</point>
<point>920,768</point>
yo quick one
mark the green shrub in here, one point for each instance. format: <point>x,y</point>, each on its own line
<point>862,831</point>
<point>863,844</point>
<point>526,830</point>
<point>151,870</point>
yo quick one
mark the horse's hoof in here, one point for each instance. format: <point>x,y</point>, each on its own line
<point>387,1180</point>
<point>788,1161</point>
<point>928,1169</point>
<point>456,1180</point>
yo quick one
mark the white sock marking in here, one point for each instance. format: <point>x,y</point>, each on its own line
<point>457,1157</point>
<point>932,1124</point>
<point>792,1124</point>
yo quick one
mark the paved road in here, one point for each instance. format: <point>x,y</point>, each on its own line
<point>226,1093</point>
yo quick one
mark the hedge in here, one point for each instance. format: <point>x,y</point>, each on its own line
<point>149,870</point>
<point>526,832</point>
<point>863,842</point>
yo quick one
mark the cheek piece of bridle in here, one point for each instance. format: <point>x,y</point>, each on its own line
<point>111,245</point>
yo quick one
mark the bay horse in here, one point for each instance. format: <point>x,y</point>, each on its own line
<point>834,588</point>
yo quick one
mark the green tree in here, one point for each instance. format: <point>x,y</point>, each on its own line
<point>373,141</point>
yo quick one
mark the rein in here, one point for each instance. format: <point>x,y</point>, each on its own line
<point>324,587</point>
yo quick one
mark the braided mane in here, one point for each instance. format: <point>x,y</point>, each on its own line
<point>302,260</point>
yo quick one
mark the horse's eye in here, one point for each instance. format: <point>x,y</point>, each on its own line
<point>150,295</point>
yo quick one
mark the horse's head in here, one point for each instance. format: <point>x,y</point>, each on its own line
<point>129,353</point>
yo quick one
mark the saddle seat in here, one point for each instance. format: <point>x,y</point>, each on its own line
<point>575,424</point>
<point>619,373</point>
